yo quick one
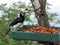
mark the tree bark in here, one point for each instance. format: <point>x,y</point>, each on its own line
<point>36,11</point>
<point>41,12</point>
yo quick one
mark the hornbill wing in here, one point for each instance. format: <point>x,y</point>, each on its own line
<point>17,20</point>
<point>14,22</point>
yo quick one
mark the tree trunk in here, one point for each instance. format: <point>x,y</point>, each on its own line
<point>40,12</point>
<point>43,12</point>
<point>37,12</point>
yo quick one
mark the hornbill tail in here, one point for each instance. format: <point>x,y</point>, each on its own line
<point>7,31</point>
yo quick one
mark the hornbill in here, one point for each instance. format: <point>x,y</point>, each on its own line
<point>18,21</point>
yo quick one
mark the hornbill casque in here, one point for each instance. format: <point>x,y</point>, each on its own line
<point>18,21</point>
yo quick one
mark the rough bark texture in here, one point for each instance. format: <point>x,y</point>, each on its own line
<point>41,12</point>
<point>35,10</point>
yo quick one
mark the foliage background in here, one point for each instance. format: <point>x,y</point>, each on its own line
<point>12,12</point>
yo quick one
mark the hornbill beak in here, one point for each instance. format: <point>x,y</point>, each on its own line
<point>26,10</point>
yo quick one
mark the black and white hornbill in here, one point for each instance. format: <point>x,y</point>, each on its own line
<point>18,21</point>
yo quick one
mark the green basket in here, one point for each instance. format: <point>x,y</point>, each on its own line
<point>17,35</point>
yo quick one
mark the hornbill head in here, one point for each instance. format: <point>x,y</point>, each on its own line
<point>22,13</point>
<point>26,10</point>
